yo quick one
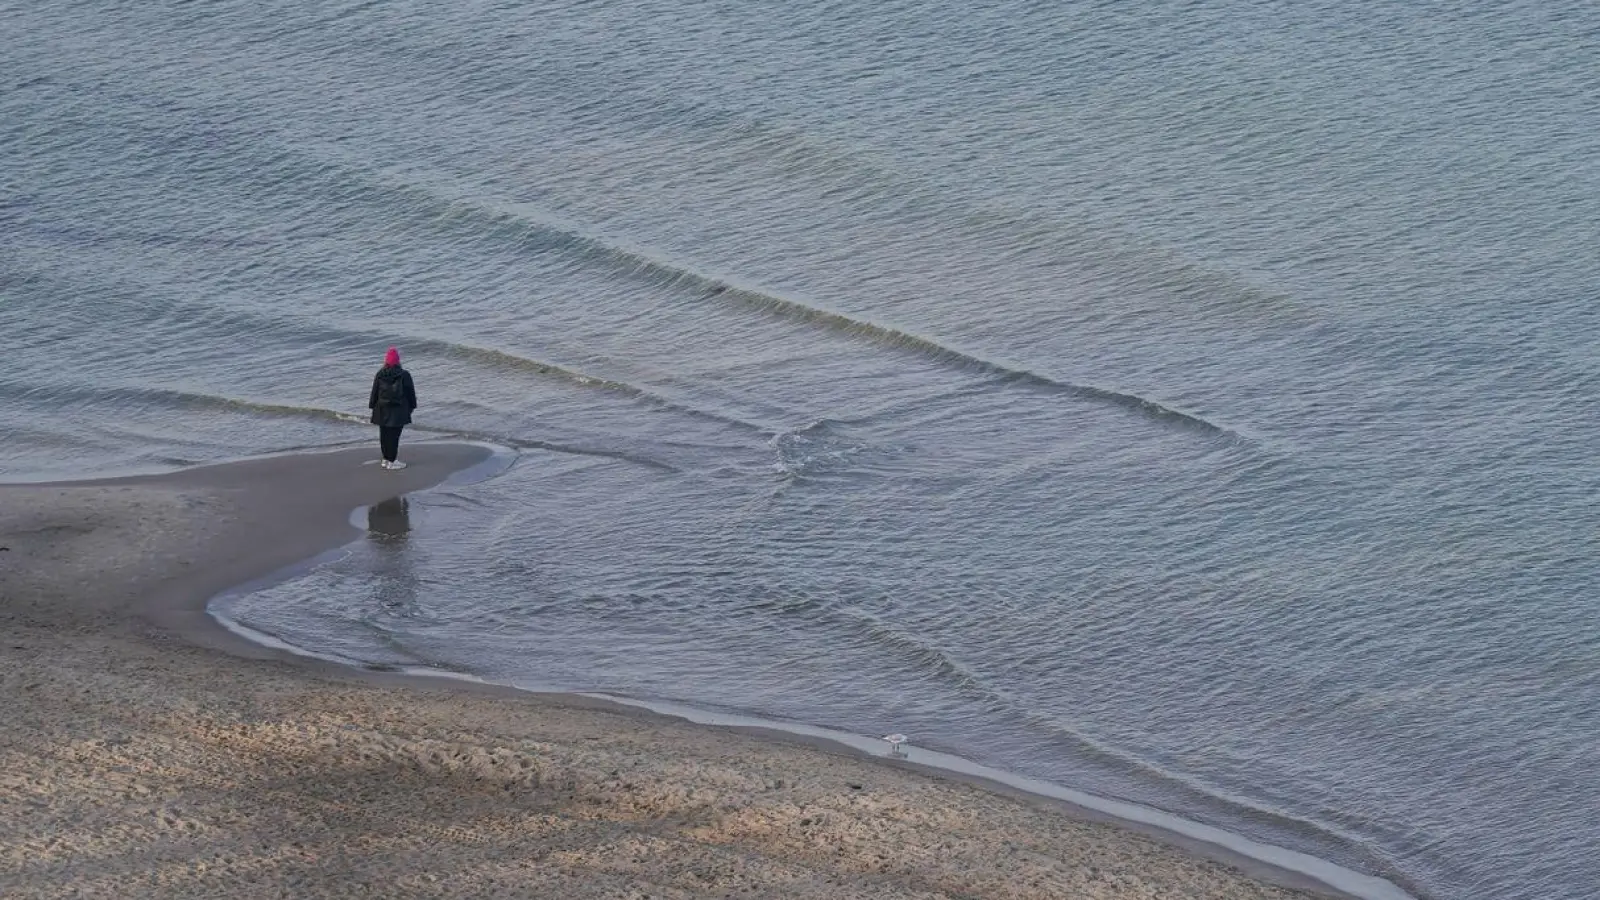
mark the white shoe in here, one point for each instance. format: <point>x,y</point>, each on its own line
<point>397,464</point>
<point>384,463</point>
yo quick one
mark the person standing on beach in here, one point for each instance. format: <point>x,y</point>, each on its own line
<point>393,399</point>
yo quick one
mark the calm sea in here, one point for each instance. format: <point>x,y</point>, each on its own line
<point>1193,403</point>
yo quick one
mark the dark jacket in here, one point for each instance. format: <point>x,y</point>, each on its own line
<point>392,415</point>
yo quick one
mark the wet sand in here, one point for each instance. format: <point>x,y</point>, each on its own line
<point>147,752</point>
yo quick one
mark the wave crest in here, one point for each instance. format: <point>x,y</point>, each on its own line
<point>539,231</point>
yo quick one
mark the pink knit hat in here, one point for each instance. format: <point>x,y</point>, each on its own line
<point>392,358</point>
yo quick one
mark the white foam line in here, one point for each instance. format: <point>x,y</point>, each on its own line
<point>1348,881</point>
<point>274,643</point>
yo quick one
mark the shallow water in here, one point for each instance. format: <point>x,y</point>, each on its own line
<point>1193,406</point>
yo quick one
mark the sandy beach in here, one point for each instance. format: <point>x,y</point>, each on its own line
<point>146,752</point>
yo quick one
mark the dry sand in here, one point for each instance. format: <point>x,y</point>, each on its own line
<point>146,752</point>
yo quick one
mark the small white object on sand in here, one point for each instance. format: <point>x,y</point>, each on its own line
<point>895,740</point>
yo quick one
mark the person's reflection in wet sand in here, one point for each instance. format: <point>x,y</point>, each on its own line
<point>388,528</point>
<point>389,521</point>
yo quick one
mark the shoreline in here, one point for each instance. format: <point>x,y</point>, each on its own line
<point>1251,857</point>
<point>204,538</point>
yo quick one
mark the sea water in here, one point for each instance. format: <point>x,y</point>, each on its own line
<point>1192,404</point>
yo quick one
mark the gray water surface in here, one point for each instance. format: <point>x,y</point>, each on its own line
<point>1190,404</point>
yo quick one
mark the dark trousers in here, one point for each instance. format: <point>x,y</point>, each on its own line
<point>389,440</point>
